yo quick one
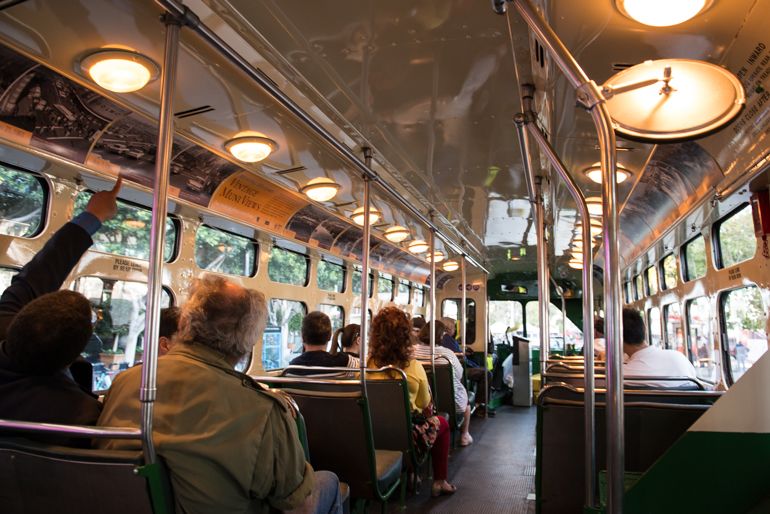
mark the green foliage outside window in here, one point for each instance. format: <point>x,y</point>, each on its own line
<point>639,287</point>
<point>287,267</point>
<point>223,252</point>
<point>652,280</point>
<point>403,293</point>
<point>22,201</point>
<point>384,289</point>
<point>737,242</point>
<point>330,277</point>
<point>695,256</point>
<point>357,282</point>
<point>670,277</point>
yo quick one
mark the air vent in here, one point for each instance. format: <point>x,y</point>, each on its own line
<point>620,66</point>
<point>194,112</point>
<point>539,54</point>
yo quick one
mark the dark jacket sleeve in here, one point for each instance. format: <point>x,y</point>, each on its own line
<point>45,273</point>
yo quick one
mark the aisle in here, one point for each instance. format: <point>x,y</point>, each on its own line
<point>493,475</point>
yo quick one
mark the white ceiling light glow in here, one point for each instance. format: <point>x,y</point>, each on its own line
<point>418,246</point>
<point>120,71</point>
<point>451,266</point>
<point>358,216</point>
<point>396,234</point>
<point>595,173</point>
<point>594,205</point>
<point>321,189</point>
<point>439,256</point>
<point>251,148</point>
<point>662,13</point>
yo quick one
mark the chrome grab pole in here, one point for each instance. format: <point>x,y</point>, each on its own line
<point>463,318</point>
<point>365,275</point>
<point>148,390</point>
<point>543,286</point>
<point>589,94</point>
<point>487,396</point>
<point>432,298</point>
<point>588,294</point>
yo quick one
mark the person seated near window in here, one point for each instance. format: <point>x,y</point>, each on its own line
<point>316,331</point>
<point>347,341</point>
<point>650,361</point>
<point>44,330</point>
<point>447,340</point>
<point>422,352</point>
<point>230,445</point>
<point>417,323</point>
<point>169,325</point>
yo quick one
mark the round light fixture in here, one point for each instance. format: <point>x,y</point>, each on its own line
<point>120,71</point>
<point>358,216</point>
<point>575,264</point>
<point>438,254</point>
<point>595,173</point>
<point>662,13</point>
<point>577,256</point>
<point>396,234</point>
<point>418,246</point>
<point>594,204</point>
<point>451,265</point>
<point>321,189</point>
<point>251,148</point>
<point>596,228</point>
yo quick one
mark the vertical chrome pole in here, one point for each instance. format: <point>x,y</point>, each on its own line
<point>463,316</point>
<point>432,298</point>
<point>487,395</point>
<point>148,391</point>
<point>544,288</point>
<point>365,274</point>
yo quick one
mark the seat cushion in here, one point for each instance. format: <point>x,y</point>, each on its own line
<point>388,468</point>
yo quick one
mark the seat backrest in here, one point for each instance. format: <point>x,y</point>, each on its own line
<point>444,392</point>
<point>37,477</point>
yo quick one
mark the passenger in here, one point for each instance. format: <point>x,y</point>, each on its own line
<point>422,351</point>
<point>347,341</point>
<point>417,323</point>
<point>599,350</point>
<point>650,361</point>
<point>44,331</point>
<point>316,332</point>
<point>448,338</point>
<point>169,325</point>
<point>229,444</point>
<point>390,344</point>
<point>474,372</point>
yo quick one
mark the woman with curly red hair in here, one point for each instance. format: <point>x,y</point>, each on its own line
<point>390,345</point>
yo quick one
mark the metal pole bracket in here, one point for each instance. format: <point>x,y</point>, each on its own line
<point>588,95</point>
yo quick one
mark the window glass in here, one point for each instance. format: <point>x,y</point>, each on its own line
<point>505,318</point>
<point>385,287</point>
<point>118,339</point>
<point>695,258</point>
<point>419,296</point>
<point>6,275</point>
<point>700,346</point>
<point>674,333</point>
<point>450,308</point>
<point>653,323</point>
<point>282,341</point>
<point>357,282</point>
<point>128,232</point>
<point>638,287</point>
<point>627,292</point>
<point>652,280</point>
<point>223,252</point>
<point>556,333</point>
<point>737,242</point>
<point>330,277</point>
<point>670,277</point>
<point>402,295</point>
<point>336,315</point>
<point>744,318</point>
<point>22,203</point>
<point>287,267</point>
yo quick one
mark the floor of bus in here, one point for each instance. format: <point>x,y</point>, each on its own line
<point>493,475</point>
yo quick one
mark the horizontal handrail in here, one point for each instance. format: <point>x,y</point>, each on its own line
<point>320,379</point>
<point>669,406</point>
<point>638,392</point>
<point>72,430</point>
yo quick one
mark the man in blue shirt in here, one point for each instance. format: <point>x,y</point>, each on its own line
<point>474,372</point>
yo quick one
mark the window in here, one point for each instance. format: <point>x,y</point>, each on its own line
<point>330,277</point>
<point>355,316</point>
<point>670,277</point>
<point>674,333</point>
<point>504,316</point>
<point>6,275</point>
<point>555,323</point>
<point>128,232</point>
<point>737,242</point>
<point>282,341</point>
<point>287,267</point>
<point>402,295</point>
<point>419,296</point>
<point>627,292</point>
<point>695,259</point>
<point>118,339</point>
<point>223,252</point>
<point>450,308</point>
<point>357,282</point>
<point>638,288</point>
<point>652,280</point>
<point>699,341</point>
<point>385,287</point>
<point>653,322</point>
<point>743,318</point>
<point>336,315</point>
<point>22,203</point>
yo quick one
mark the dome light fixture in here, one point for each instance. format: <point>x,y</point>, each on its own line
<point>451,266</point>
<point>596,228</point>
<point>119,70</point>
<point>438,254</point>
<point>594,205</point>
<point>418,246</point>
<point>662,13</point>
<point>358,216</point>
<point>595,173</point>
<point>576,264</point>
<point>321,189</point>
<point>396,234</point>
<point>251,148</point>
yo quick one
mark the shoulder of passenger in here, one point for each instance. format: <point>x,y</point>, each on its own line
<point>263,390</point>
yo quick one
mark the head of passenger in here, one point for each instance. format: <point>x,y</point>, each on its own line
<point>347,340</point>
<point>223,316</point>
<point>417,323</point>
<point>450,327</point>
<point>49,333</point>
<point>316,331</point>
<point>169,325</point>
<point>633,331</point>
<point>424,335</point>
<point>390,342</point>
<point>598,328</point>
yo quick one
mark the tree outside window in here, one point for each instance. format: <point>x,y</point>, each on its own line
<point>22,201</point>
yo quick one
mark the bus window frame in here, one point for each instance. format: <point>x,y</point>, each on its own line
<point>47,186</point>
<point>683,259</point>
<point>344,276</point>
<point>717,237</point>
<point>308,265</point>
<point>393,286</point>
<point>638,295</point>
<point>646,281</point>
<point>255,266</point>
<point>397,282</point>
<point>689,349</point>
<point>416,288</point>
<point>358,269</point>
<point>662,272</point>
<point>724,342</point>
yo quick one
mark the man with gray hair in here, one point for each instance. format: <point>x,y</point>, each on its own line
<point>229,444</point>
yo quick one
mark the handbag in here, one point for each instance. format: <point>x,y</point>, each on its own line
<point>425,430</point>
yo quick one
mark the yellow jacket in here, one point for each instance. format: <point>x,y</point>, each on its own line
<point>230,446</point>
<point>419,391</point>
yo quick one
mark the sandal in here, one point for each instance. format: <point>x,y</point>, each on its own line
<point>437,490</point>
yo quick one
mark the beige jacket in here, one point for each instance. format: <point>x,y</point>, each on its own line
<point>230,446</point>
